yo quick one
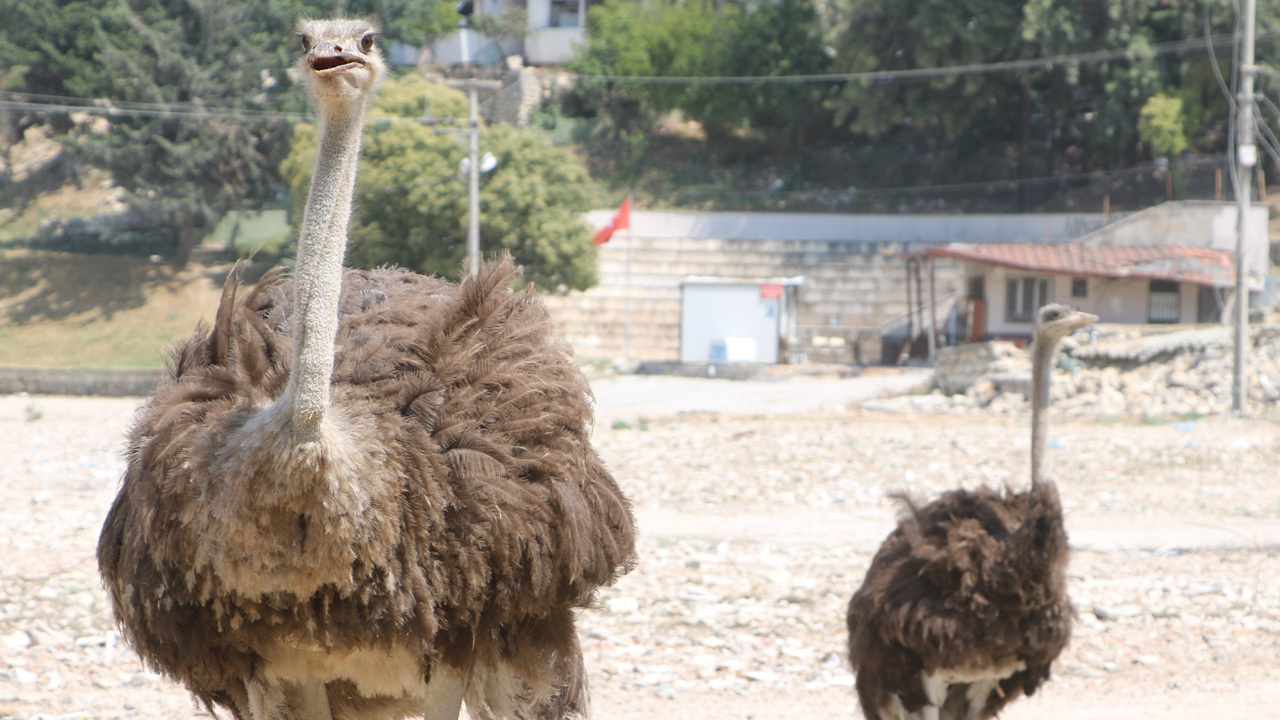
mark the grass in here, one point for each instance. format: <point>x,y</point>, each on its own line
<point>19,224</point>
<point>265,231</point>
<point>98,311</point>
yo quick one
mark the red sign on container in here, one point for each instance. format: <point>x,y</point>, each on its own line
<point>772,291</point>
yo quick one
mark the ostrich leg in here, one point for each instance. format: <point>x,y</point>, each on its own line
<point>444,695</point>
<point>310,701</point>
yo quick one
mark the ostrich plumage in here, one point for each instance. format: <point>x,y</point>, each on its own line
<point>965,605</point>
<point>424,540</point>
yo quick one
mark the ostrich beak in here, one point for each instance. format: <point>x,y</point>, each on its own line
<point>1083,319</point>
<point>328,59</point>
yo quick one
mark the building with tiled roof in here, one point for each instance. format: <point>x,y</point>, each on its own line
<point>1006,283</point>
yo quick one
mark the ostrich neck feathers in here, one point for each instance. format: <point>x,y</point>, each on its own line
<point>1041,371</point>
<point>321,245</point>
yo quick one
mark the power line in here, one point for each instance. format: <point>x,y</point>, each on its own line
<point>1169,48</point>
<point>193,105</point>
<point>171,112</point>
<point>61,104</point>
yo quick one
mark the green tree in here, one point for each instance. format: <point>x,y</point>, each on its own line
<point>411,200</point>
<point>667,38</point>
<point>180,169</point>
<point>412,22</point>
<point>183,171</point>
<point>1160,125</point>
<point>877,36</point>
<point>1092,106</point>
<point>684,38</point>
<point>778,38</point>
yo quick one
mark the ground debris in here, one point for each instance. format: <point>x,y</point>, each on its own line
<point>754,533</point>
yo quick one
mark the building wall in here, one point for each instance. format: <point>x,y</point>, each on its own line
<point>852,264</point>
<point>848,287</point>
<point>1113,300</point>
<point>1192,223</point>
<point>552,45</point>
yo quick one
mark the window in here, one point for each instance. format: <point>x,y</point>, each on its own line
<point>1165,302</point>
<point>1079,287</point>
<point>1023,297</point>
<point>1209,305</point>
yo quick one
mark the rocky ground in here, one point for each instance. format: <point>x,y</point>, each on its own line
<point>1183,374</point>
<point>756,529</point>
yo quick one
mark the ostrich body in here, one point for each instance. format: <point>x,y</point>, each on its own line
<point>365,494</point>
<point>965,605</point>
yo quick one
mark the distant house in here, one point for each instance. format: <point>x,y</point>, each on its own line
<point>555,28</point>
<point>1172,263</point>
<point>1005,284</point>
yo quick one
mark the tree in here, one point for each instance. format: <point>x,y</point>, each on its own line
<point>412,22</point>
<point>1160,125</point>
<point>181,170</point>
<point>184,171</point>
<point>778,38</point>
<point>411,199</point>
<point>660,38</point>
<point>676,38</point>
<point>1091,107</point>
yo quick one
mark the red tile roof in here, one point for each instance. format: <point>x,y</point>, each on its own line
<point>1202,266</point>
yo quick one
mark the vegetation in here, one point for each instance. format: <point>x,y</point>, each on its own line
<point>727,145</point>
<point>94,311</point>
<point>1036,122</point>
<point>411,198</point>
<point>669,38</point>
<point>1160,125</point>
<point>180,171</point>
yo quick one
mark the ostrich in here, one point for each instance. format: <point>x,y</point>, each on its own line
<point>965,606</point>
<point>365,494</point>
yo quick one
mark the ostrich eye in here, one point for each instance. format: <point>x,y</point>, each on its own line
<point>366,42</point>
<point>306,42</point>
<point>1052,315</point>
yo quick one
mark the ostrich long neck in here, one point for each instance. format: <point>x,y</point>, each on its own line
<point>1041,369</point>
<point>318,275</point>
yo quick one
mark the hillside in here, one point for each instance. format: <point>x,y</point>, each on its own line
<point>102,311</point>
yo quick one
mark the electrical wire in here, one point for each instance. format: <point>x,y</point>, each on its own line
<point>198,105</point>
<point>173,112</point>
<point>220,109</point>
<point>1169,48</point>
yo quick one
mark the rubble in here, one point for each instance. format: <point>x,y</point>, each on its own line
<point>1180,374</point>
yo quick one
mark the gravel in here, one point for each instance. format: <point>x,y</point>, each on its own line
<point>755,531</point>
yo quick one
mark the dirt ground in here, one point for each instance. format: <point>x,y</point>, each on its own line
<point>755,531</point>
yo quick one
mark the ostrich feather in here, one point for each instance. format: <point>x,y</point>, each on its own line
<point>469,520</point>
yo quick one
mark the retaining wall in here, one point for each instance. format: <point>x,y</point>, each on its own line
<point>65,381</point>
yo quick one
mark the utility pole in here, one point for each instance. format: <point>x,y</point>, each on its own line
<point>1246,158</point>
<point>472,86</point>
<point>473,186</point>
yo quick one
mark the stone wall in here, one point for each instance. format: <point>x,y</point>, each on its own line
<point>64,381</point>
<point>849,288</point>
<point>959,367</point>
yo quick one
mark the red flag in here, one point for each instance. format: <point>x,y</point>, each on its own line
<point>621,221</point>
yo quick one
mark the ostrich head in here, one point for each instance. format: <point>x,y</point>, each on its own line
<point>342,65</point>
<point>1057,321</point>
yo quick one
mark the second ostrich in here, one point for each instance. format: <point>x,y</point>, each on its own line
<point>965,605</point>
<point>365,494</point>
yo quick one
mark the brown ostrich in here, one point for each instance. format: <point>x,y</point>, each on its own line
<point>365,494</point>
<point>965,605</point>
